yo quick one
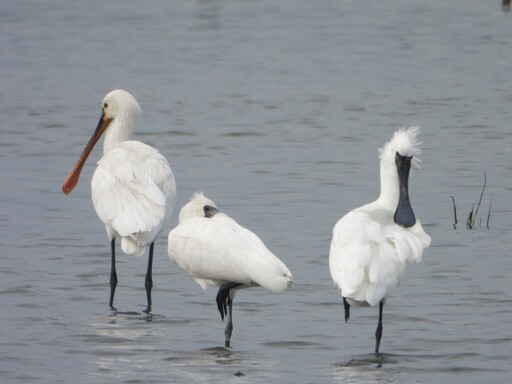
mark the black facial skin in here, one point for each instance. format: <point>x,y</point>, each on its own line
<point>404,215</point>
<point>209,211</point>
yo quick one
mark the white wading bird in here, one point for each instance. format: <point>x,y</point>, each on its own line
<point>216,251</point>
<point>372,243</point>
<point>133,188</point>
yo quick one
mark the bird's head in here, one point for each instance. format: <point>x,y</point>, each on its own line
<point>198,206</point>
<point>404,144</point>
<point>120,102</point>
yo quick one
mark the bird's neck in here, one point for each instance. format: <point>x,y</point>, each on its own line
<point>120,130</point>
<point>389,185</point>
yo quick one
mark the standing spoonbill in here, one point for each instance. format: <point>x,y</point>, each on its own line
<point>133,188</point>
<point>216,251</point>
<point>372,243</point>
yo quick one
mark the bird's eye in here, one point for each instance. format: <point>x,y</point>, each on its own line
<point>105,105</point>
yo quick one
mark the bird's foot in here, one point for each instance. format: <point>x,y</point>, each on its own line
<point>224,298</point>
<point>222,301</point>
<point>147,311</point>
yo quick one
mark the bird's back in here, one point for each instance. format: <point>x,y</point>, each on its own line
<point>133,192</point>
<point>218,250</point>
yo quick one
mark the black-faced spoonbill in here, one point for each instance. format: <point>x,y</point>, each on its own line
<point>216,251</point>
<point>133,188</point>
<point>372,243</point>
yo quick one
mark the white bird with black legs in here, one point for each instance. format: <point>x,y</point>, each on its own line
<point>371,244</point>
<point>133,187</point>
<point>216,251</point>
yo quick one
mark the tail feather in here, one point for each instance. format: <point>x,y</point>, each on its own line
<point>131,247</point>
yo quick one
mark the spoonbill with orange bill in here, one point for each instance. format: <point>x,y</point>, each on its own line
<point>133,187</point>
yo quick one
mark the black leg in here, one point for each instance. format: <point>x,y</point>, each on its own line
<point>149,276</point>
<point>229,326</point>
<point>225,306</point>
<point>223,297</point>
<point>346,305</point>
<point>113,273</point>
<point>378,332</point>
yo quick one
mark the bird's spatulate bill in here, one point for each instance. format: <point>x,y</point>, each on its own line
<point>404,214</point>
<point>72,179</point>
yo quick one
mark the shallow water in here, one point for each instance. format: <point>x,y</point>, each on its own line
<point>275,109</point>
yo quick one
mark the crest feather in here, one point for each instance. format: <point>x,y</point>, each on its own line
<point>405,142</point>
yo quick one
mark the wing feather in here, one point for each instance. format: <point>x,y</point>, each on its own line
<point>367,258</point>
<point>131,187</point>
<point>216,250</point>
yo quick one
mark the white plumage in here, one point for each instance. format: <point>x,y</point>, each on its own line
<point>371,244</point>
<point>134,193</point>
<point>216,251</point>
<point>133,187</point>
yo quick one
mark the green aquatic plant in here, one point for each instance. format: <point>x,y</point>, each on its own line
<point>470,221</point>
<point>454,213</point>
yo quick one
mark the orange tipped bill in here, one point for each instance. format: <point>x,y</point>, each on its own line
<point>72,179</point>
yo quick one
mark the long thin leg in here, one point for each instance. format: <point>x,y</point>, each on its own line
<point>225,306</point>
<point>113,273</point>
<point>229,326</point>
<point>149,276</point>
<point>346,305</point>
<point>378,332</point>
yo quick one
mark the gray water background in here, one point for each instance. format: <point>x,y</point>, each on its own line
<point>274,109</point>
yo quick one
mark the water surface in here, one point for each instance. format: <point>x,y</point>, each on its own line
<point>274,109</point>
